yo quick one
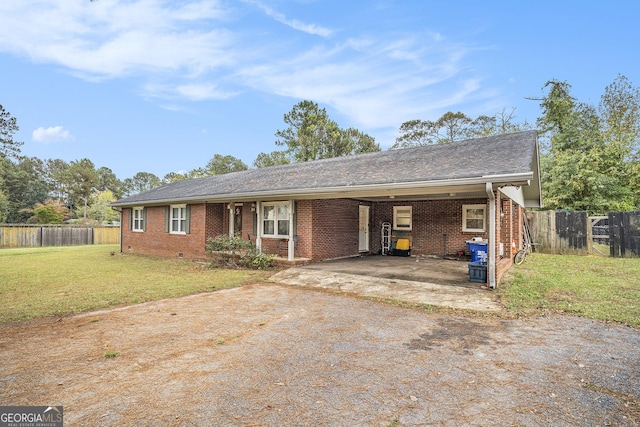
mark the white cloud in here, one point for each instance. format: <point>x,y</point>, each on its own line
<point>190,92</point>
<point>51,134</point>
<point>112,38</point>
<point>196,50</point>
<point>294,23</point>
<point>375,84</point>
<point>198,92</point>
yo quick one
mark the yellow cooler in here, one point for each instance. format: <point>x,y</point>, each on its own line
<point>402,248</point>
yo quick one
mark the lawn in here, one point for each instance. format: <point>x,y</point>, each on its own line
<point>37,282</point>
<point>589,286</point>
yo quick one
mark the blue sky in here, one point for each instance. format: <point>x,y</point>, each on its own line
<point>161,86</point>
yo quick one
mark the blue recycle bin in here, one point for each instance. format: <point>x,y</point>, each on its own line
<point>478,251</point>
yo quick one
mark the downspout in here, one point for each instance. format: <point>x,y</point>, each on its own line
<point>491,273</point>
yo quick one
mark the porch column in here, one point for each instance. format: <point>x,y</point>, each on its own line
<point>232,219</point>
<point>259,226</point>
<point>291,246</point>
<point>491,273</point>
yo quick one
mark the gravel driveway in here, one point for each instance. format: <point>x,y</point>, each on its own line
<point>276,355</point>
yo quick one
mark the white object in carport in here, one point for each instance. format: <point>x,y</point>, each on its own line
<point>386,238</point>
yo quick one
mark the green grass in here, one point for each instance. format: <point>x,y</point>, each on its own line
<point>589,286</point>
<point>38,282</point>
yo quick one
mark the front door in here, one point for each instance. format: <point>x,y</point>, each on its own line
<point>363,235</point>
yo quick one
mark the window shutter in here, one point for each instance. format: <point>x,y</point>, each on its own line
<point>166,219</point>
<point>130,219</point>
<point>144,219</point>
<point>187,223</point>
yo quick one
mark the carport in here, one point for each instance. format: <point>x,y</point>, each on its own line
<point>417,280</point>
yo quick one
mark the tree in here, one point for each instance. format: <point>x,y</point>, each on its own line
<point>81,181</point>
<point>56,177</point>
<point>219,165</point>
<point>23,185</point>
<point>52,211</point>
<point>8,127</point>
<point>107,180</point>
<point>452,127</point>
<point>4,207</point>
<point>589,164</point>
<point>312,135</point>
<point>172,177</point>
<point>620,111</point>
<point>274,158</point>
<point>100,208</point>
<point>141,181</point>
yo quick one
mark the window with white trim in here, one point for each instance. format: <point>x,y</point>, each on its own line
<point>178,219</point>
<point>137,223</point>
<point>474,218</point>
<point>402,218</point>
<point>275,219</point>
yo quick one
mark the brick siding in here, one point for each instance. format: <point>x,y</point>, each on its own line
<point>155,241</point>
<point>327,229</point>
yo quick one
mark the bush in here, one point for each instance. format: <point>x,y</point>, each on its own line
<point>235,252</point>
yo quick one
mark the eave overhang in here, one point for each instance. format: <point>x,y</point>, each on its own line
<point>422,190</point>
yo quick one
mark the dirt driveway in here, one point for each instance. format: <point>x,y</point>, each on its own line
<point>276,355</point>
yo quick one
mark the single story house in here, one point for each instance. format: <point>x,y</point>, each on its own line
<point>437,196</point>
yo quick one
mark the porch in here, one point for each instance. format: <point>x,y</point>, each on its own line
<point>418,280</point>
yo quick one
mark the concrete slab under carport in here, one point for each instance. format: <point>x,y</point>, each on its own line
<point>421,280</point>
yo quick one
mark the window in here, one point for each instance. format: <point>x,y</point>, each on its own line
<point>275,219</point>
<point>402,218</point>
<point>473,218</point>
<point>138,219</point>
<point>178,219</point>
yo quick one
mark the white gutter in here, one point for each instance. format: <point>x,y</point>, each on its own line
<point>491,272</point>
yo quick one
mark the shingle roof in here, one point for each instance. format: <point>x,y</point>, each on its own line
<point>507,154</point>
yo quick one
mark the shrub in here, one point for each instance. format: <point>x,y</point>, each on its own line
<point>235,252</point>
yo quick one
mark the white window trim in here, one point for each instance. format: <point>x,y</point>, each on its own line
<point>275,220</point>
<point>140,220</point>
<point>465,208</point>
<point>182,220</point>
<point>395,217</point>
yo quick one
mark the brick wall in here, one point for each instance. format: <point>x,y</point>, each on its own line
<point>509,229</point>
<point>335,228</point>
<point>328,229</point>
<point>436,228</point>
<point>155,241</point>
<point>214,222</point>
<point>304,228</point>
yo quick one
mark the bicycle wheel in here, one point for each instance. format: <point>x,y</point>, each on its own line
<point>520,256</point>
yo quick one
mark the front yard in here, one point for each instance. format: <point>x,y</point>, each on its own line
<point>269,354</point>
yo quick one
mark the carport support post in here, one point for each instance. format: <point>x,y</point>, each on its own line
<point>491,273</point>
<point>232,218</point>
<point>291,246</point>
<point>259,226</point>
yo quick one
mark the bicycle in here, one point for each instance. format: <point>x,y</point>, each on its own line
<point>521,255</point>
<point>527,246</point>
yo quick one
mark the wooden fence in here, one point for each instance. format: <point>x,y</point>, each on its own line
<point>624,234</point>
<point>21,235</point>
<point>568,232</point>
<point>560,232</point>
